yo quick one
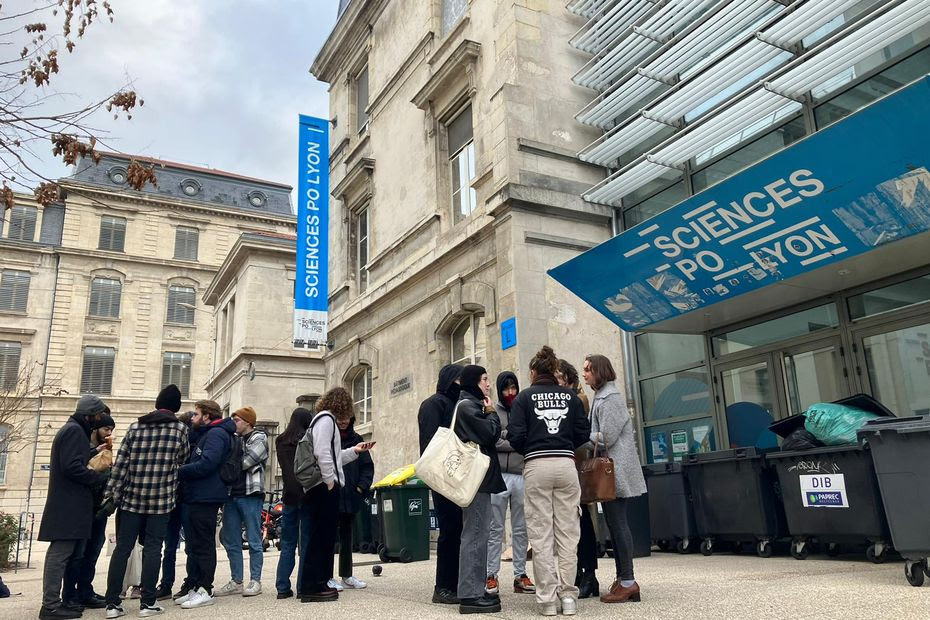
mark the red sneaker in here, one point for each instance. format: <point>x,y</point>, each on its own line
<point>523,585</point>
<point>491,586</point>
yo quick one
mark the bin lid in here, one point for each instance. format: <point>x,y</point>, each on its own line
<point>723,455</point>
<point>814,452</point>
<point>788,425</point>
<point>917,424</point>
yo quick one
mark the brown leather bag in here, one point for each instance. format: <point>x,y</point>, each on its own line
<point>596,476</point>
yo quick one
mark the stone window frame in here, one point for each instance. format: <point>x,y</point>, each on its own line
<point>364,406</point>
<point>475,329</point>
<point>347,362</point>
<point>19,363</point>
<point>105,274</point>
<point>185,283</point>
<point>184,233</point>
<point>111,223</point>
<point>16,273</point>
<point>461,300</point>
<point>84,360</point>
<point>35,219</point>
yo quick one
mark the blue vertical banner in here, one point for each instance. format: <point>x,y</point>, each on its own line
<point>311,288</point>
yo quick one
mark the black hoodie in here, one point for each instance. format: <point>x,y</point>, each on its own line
<point>547,420</point>
<point>436,410</point>
<point>511,462</point>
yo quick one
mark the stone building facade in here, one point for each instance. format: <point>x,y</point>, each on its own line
<point>108,296</point>
<point>454,187</point>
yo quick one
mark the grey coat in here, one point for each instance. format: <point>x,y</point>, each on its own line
<point>510,460</point>
<point>611,426</point>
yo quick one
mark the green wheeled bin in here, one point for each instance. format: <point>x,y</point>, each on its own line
<point>404,519</point>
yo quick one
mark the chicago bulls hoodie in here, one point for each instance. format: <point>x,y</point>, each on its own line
<point>547,420</point>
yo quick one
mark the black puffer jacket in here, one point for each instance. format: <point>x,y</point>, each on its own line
<point>359,474</point>
<point>473,423</point>
<point>436,410</point>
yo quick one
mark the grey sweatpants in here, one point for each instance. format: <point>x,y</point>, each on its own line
<point>473,552</point>
<point>53,573</point>
<point>513,496</point>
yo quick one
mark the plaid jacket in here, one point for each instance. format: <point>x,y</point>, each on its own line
<point>254,459</point>
<point>144,478</point>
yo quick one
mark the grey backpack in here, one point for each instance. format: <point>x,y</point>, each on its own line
<point>306,465</point>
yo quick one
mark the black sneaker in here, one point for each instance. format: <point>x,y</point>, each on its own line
<point>94,601</point>
<point>163,593</point>
<point>444,596</point>
<point>59,613</point>
<point>73,606</point>
<point>285,594</point>
<point>481,605</point>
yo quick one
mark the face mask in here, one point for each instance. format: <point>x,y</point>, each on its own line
<point>508,400</point>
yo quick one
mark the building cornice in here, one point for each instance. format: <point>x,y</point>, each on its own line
<point>357,176</point>
<point>120,257</point>
<point>174,203</point>
<point>351,28</point>
<point>242,248</point>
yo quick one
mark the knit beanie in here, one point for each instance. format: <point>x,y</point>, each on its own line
<point>169,398</point>
<point>471,376</point>
<point>246,414</point>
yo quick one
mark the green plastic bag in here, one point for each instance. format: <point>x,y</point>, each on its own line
<point>834,424</point>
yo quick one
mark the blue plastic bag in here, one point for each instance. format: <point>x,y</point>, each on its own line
<point>834,424</point>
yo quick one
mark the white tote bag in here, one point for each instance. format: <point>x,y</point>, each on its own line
<point>452,467</point>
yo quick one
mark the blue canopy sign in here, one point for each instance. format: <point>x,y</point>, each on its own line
<point>311,303</point>
<point>859,184</point>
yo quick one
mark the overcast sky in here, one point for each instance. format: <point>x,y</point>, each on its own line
<point>223,82</point>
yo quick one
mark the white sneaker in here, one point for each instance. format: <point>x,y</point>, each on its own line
<point>198,598</point>
<point>230,588</point>
<point>548,609</point>
<point>335,585</point>
<point>253,589</point>
<point>354,582</point>
<point>150,610</point>
<point>569,606</point>
<point>115,611</point>
<point>185,597</point>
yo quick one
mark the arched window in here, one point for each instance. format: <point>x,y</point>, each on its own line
<point>361,395</point>
<point>468,340</point>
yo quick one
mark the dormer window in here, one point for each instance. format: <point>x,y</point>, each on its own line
<point>190,187</point>
<point>257,199</point>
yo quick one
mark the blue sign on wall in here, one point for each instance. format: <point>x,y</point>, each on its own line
<point>311,288</point>
<point>841,192</point>
<point>508,333</point>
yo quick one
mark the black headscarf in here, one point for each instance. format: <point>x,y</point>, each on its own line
<point>446,384</point>
<point>471,376</point>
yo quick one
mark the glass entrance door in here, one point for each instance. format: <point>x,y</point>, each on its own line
<point>749,393</point>
<point>814,373</point>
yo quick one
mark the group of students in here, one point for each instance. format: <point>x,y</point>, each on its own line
<point>177,472</point>
<point>534,438</point>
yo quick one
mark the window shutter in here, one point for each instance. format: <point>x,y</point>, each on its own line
<point>181,295</point>
<point>176,369</point>
<point>361,100</point>
<point>105,297</point>
<point>14,290</point>
<point>97,374</point>
<point>9,364</point>
<point>460,131</point>
<point>186,242</point>
<point>23,223</point>
<point>112,233</point>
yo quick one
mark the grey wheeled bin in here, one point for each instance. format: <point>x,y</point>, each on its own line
<point>901,454</point>
<point>671,514</point>
<point>736,499</point>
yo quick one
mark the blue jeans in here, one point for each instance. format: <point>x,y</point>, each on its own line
<point>236,512</point>
<point>295,536</point>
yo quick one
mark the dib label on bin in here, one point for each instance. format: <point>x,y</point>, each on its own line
<point>824,491</point>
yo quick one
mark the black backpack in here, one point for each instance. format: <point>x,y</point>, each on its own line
<point>231,468</point>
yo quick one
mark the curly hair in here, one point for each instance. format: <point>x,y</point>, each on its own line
<point>338,402</point>
<point>545,362</point>
<point>569,373</point>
